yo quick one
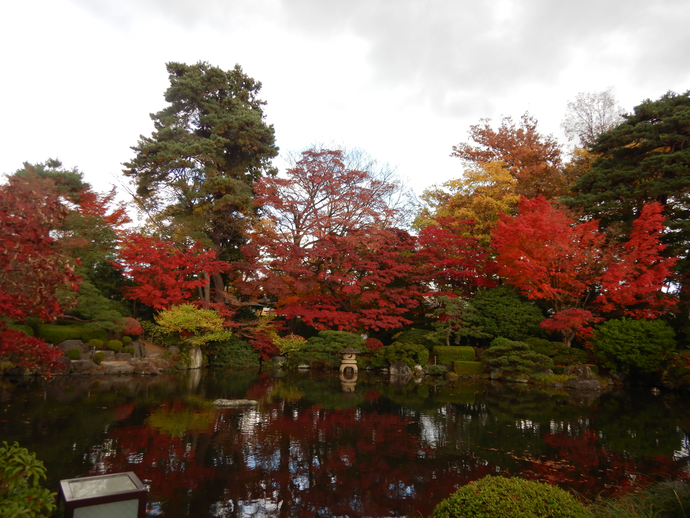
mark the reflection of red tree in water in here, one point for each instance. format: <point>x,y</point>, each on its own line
<point>584,465</point>
<point>338,462</point>
<point>343,462</point>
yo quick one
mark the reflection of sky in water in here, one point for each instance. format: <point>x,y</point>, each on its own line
<point>684,451</point>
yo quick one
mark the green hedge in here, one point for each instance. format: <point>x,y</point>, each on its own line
<point>58,334</point>
<point>499,496</point>
<point>465,368</point>
<point>446,355</point>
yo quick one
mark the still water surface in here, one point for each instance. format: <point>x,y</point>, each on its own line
<point>312,449</point>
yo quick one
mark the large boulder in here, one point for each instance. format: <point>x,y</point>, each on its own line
<point>83,366</point>
<point>582,372</point>
<point>139,349</point>
<point>145,366</point>
<point>400,374</point>
<point>583,384</point>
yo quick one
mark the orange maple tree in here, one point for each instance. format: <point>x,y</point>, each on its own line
<point>533,159</point>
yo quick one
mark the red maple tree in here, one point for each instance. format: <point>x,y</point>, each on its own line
<point>455,264</point>
<point>365,280</point>
<point>547,255</point>
<point>164,274</point>
<point>33,267</point>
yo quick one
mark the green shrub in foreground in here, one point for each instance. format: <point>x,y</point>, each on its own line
<point>98,357</point>
<point>446,355</point>
<point>126,340</point>
<point>20,491</point>
<point>468,368</point>
<point>634,345</point>
<point>128,350</point>
<point>492,497</point>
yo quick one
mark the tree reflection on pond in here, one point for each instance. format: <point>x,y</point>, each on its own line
<point>309,449</point>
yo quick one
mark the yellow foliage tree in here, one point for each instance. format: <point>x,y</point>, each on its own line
<point>484,192</point>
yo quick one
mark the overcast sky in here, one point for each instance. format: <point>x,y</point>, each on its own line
<point>402,79</point>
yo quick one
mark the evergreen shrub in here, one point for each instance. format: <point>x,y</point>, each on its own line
<point>128,350</point>
<point>436,370</point>
<point>491,496</point>
<point>428,339</point>
<point>114,345</point>
<point>232,353</point>
<point>634,345</point>
<point>557,351</point>
<point>126,340</point>
<point>98,357</point>
<point>74,354</point>
<point>515,356</point>
<point>464,368</point>
<point>322,350</point>
<point>411,354</point>
<point>448,355</point>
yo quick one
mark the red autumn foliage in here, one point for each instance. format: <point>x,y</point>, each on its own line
<point>28,352</point>
<point>373,344</point>
<point>546,255</point>
<point>633,283</point>
<point>132,327</point>
<point>33,266</point>
<point>164,274</point>
<point>367,279</point>
<point>456,264</point>
<point>323,196</point>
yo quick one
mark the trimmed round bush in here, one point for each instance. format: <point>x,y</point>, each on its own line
<point>634,345</point>
<point>491,496</point>
<point>126,340</point>
<point>114,345</point>
<point>128,349</point>
<point>74,354</point>
<point>96,343</point>
<point>98,357</point>
<point>515,356</point>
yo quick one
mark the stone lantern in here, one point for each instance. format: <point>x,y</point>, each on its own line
<point>349,360</point>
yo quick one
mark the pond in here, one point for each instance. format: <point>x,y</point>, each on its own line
<point>314,448</point>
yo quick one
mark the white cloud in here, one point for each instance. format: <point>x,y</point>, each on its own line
<point>402,79</point>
